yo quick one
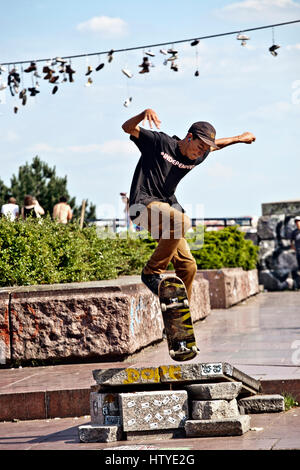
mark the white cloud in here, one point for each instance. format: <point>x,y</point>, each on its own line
<point>254,9</point>
<point>105,26</point>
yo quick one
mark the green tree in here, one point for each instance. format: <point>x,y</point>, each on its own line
<point>4,193</point>
<point>41,181</point>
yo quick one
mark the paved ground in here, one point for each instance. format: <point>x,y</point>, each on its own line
<point>261,337</point>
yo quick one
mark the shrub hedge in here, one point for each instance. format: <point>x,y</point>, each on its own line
<point>45,252</point>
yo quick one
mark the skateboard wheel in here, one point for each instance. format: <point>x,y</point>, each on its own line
<point>172,353</point>
<point>186,302</point>
<point>195,349</point>
<point>163,307</point>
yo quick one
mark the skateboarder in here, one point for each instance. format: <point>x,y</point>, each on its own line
<point>163,163</point>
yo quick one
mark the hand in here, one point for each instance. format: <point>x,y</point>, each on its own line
<point>151,117</point>
<point>247,138</point>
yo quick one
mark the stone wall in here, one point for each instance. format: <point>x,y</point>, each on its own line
<point>228,286</point>
<point>277,261</point>
<point>103,319</point>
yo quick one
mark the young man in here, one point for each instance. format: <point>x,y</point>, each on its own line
<point>11,209</point>
<point>164,162</point>
<point>62,212</point>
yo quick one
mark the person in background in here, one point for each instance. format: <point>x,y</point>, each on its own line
<point>10,209</point>
<point>295,239</point>
<point>31,208</point>
<point>62,212</point>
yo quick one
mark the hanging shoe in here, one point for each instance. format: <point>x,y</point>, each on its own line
<point>3,86</point>
<point>31,68</point>
<point>99,67</point>
<point>70,72</point>
<point>163,51</point>
<point>195,42</point>
<point>273,48</point>
<point>60,60</point>
<point>197,73</point>
<point>55,88</point>
<point>145,65</point>
<point>33,91</point>
<point>36,74</point>
<point>89,70</point>
<point>150,53</point>
<point>127,73</point>
<point>127,102</point>
<point>110,55</point>
<point>2,69</point>
<point>49,73</point>
<point>16,109</point>
<point>54,79</point>
<point>174,67</point>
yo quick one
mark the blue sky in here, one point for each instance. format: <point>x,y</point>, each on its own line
<point>239,89</point>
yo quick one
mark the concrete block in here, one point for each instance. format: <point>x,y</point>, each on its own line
<point>229,286</point>
<point>104,408</point>
<point>98,433</point>
<point>262,404</point>
<point>223,427</point>
<point>103,319</point>
<point>214,391</point>
<point>267,226</point>
<point>291,208</point>
<point>195,372</point>
<point>151,411</point>
<point>215,409</point>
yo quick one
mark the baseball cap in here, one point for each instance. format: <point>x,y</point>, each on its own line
<point>297,218</point>
<point>204,131</point>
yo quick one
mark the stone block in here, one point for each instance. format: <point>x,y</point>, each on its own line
<point>291,208</point>
<point>200,300</point>
<point>229,286</point>
<point>223,427</point>
<point>104,408</point>
<point>5,352</point>
<point>98,433</point>
<point>214,391</point>
<point>103,319</point>
<point>269,227</point>
<point>194,372</point>
<point>214,409</point>
<point>151,411</point>
<point>262,404</point>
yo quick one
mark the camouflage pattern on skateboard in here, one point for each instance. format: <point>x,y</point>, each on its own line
<point>177,319</point>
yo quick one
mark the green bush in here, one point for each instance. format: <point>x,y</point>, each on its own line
<point>45,252</point>
<point>226,248</point>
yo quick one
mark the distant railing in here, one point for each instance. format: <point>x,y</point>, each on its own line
<point>218,222</point>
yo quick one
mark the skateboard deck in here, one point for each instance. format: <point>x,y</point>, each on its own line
<point>177,319</point>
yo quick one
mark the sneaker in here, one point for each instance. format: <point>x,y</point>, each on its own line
<point>151,281</point>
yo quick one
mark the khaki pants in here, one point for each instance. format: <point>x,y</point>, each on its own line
<point>168,226</point>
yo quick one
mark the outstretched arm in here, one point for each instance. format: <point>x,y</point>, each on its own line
<point>245,138</point>
<point>132,125</point>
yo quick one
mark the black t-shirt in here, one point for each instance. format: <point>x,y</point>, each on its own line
<point>159,170</point>
<point>296,237</point>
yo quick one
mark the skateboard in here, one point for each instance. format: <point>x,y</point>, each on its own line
<point>177,319</point>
